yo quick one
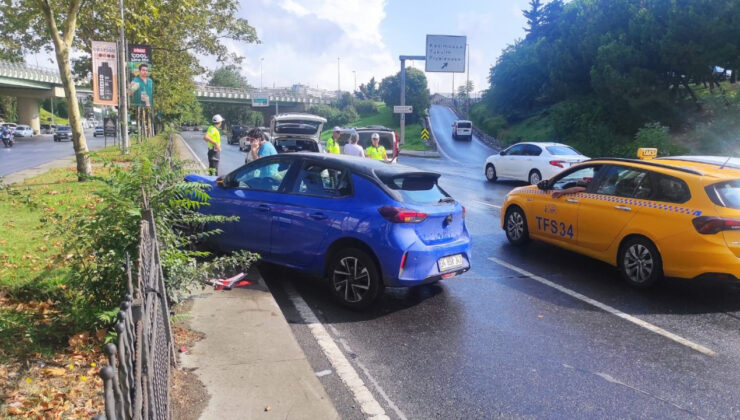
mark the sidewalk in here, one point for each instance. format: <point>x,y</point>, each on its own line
<point>249,359</point>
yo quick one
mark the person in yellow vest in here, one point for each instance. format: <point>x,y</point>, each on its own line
<point>331,144</point>
<point>213,138</point>
<point>376,151</point>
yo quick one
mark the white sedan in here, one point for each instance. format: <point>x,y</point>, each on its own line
<point>23,131</point>
<point>531,162</point>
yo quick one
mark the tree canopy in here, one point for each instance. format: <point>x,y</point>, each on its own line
<point>180,31</point>
<point>229,76</point>
<point>417,92</point>
<point>621,62</point>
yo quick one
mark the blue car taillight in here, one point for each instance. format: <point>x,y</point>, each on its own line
<point>400,215</point>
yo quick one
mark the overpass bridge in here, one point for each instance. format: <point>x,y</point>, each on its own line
<point>30,85</point>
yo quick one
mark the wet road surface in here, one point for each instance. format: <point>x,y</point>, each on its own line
<point>516,337</point>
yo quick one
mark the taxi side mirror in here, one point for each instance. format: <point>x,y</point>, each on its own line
<point>544,185</point>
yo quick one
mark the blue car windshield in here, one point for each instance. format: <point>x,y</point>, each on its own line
<point>417,189</point>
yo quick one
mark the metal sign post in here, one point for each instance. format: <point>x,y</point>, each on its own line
<point>403,59</point>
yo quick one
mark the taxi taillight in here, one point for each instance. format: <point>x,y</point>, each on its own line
<point>707,225</point>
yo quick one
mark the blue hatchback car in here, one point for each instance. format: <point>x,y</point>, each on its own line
<point>361,223</point>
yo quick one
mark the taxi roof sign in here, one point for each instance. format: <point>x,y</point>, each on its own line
<point>647,153</point>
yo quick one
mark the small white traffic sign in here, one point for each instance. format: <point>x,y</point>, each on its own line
<point>446,53</point>
<point>403,109</point>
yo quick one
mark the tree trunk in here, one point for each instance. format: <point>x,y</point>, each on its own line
<point>693,96</point>
<point>75,120</point>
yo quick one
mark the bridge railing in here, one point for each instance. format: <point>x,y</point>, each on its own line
<point>28,71</point>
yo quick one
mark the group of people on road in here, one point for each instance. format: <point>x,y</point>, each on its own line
<point>261,145</point>
<point>374,151</point>
<point>260,142</point>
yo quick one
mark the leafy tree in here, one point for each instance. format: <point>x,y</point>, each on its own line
<point>534,18</point>
<point>417,92</point>
<point>229,76</point>
<point>61,25</point>
<point>369,91</point>
<point>464,91</point>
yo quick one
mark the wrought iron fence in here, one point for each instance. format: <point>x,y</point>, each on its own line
<point>137,378</point>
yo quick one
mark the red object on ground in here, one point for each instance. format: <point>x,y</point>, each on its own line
<point>183,349</point>
<point>228,284</point>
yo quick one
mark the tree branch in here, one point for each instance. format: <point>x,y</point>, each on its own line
<point>69,26</point>
<point>49,15</point>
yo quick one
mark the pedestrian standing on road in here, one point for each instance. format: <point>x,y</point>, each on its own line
<point>352,148</point>
<point>331,144</point>
<point>213,138</point>
<point>253,138</point>
<point>376,151</point>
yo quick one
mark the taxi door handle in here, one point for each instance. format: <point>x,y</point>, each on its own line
<point>263,208</point>
<point>571,200</point>
<point>624,208</point>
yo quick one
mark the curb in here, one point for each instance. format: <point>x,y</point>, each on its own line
<point>20,176</point>
<point>419,154</point>
<point>250,361</point>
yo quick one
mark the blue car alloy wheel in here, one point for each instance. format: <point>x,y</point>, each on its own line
<point>355,280</point>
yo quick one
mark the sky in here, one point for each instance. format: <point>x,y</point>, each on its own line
<point>302,39</point>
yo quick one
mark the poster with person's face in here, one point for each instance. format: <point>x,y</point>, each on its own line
<point>141,86</point>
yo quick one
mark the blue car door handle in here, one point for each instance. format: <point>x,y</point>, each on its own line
<point>263,208</point>
<point>318,216</point>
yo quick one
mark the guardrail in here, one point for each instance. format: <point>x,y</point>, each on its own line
<point>485,138</point>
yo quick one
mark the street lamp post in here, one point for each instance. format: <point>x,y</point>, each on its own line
<point>467,82</point>
<point>339,89</point>
<point>261,60</point>
<point>354,73</point>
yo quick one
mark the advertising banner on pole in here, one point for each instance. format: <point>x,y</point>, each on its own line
<point>141,86</point>
<point>105,73</point>
<point>446,53</point>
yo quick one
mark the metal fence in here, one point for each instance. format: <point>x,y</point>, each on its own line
<point>137,378</point>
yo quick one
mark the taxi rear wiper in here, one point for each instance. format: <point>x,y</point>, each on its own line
<point>447,200</point>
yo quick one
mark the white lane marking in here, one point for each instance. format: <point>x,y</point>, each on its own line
<point>487,204</point>
<point>192,152</point>
<point>614,311</point>
<point>323,373</point>
<point>367,402</point>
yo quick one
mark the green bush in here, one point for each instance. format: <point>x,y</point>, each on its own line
<point>366,108</point>
<point>97,245</point>
<point>335,117</point>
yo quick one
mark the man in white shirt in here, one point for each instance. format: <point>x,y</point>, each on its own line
<point>352,148</point>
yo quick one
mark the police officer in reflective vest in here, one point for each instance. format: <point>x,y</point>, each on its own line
<point>331,144</point>
<point>213,138</point>
<point>375,151</point>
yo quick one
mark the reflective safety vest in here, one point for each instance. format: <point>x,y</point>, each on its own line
<point>375,152</point>
<point>214,134</point>
<point>332,146</point>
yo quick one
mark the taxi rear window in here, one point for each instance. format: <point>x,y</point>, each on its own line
<point>725,194</point>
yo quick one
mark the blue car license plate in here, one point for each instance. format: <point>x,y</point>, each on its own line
<point>451,262</point>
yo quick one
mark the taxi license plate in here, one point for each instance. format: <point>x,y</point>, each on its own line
<point>451,262</point>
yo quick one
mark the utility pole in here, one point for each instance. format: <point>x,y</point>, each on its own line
<point>261,60</point>
<point>122,94</point>
<point>354,73</point>
<point>339,89</point>
<point>403,59</point>
<point>467,83</point>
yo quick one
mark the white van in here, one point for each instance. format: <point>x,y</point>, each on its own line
<point>462,129</point>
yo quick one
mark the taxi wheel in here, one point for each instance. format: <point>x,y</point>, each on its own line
<point>535,177</point>
<point>490,173</point>
<point>354,278</point>
<point>516,226</point>
<point>640,262</point>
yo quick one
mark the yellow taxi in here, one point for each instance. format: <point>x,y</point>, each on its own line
<point>653,217</point>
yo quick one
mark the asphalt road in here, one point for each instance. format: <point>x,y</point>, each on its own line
<point>517,336</point>
<point>29,152</point>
